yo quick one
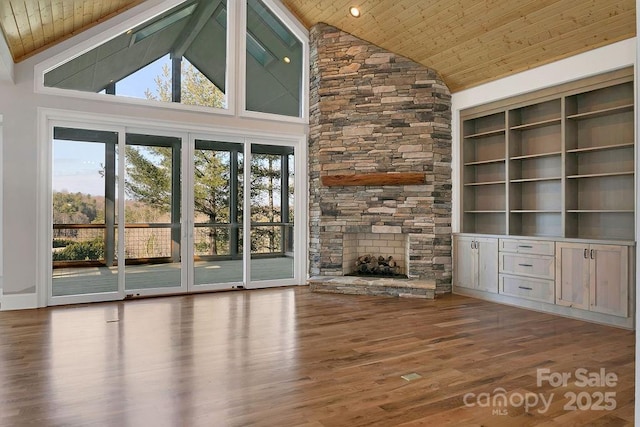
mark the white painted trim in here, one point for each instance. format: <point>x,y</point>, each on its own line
<point>43,203</point>
<point>69,93</point>
<point>81,118</point>
<point>288,19</point>
<point>7,72</point>
<point>246,216</point>
<point>18,302</point>
<point>241,59</point>
<point>1,208</point>
<point>233,28</point>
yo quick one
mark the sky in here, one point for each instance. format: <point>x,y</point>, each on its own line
<point>76,165</point>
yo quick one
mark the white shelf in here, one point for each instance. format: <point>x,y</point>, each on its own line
<point>484,162</point>
<point>534,156</point>
<point>600,210</point>
<point>602,112</point>
<point>599,175</point>
<point>485,211</point>
<point>473,184</point>
<point>552,178</point>
<point>539,124</point>
<point>601,147</point>
<point>535,211</point>
<point>485,134</point>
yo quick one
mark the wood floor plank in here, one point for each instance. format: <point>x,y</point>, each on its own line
<point>289,357</point>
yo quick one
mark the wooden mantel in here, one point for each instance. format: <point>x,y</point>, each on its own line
<point>375,179</point>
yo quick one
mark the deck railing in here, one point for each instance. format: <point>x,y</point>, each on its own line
<point>84,244</point>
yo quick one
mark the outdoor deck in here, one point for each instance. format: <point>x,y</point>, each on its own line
<point>78,281</point>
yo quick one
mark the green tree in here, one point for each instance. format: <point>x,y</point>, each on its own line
<point>74,208</point>
<point>196,89</point>
<point>265,188</point>
<point>149,168</point>
<point>211,190</point>
<point>149,175</point>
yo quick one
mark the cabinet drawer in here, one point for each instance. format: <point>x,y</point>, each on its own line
<point>523,287</point>
<point>528,265</point>
<point>538,247</point>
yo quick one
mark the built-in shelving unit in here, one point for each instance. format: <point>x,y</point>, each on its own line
<point>485,173</point>
<point>548,196</point>
<point>560,164</point>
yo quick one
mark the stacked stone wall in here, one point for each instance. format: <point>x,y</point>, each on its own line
<point>374,111</point>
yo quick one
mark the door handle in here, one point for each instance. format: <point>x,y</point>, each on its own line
<point>525,265</point>
<point>586,251</point>
<point>593,254</point>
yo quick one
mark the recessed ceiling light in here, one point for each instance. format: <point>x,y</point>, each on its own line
<point>354,11</point>
<point>286,60</point>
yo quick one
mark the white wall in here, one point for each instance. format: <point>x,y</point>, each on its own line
<point>19,104</point>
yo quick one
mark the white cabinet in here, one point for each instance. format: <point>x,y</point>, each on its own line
<point>593,277</point>
<point>527,269</point>
<point>476,260</point>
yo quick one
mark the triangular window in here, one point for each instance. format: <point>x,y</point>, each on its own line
<point>182,56</point>
<point>179,56</point>
<point>274,62</point>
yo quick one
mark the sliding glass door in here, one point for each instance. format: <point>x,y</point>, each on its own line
<point>84,244</point>
<point>272,202</point>
<point>216,208</point>
<point>153,215</point>
<point>147,213</point>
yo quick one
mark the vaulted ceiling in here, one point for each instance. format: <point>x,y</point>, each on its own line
<point>468,41</point>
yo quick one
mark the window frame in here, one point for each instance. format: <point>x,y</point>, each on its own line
<point>292,24</point>
<point>235,61</point>
<point>115,30</point>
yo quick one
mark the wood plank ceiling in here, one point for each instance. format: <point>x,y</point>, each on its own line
<point>468,41</point>
<point>30,26</point>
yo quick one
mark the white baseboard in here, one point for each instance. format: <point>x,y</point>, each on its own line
<point>18,301</point>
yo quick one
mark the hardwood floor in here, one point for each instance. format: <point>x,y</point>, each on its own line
<point>285,357</point>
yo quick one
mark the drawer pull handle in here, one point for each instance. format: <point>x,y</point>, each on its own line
<point>525,246</point>
<point>525,265</point>
<point>525,288</point>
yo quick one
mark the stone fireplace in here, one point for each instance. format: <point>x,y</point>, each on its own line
<point>377,115</point>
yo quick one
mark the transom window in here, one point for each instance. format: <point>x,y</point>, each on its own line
<point>183,56</point>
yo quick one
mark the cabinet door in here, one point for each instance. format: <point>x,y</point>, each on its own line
<point>466,260</point>
<point>609,279</point>
<point>572,275</point>
<point>488,265</point>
